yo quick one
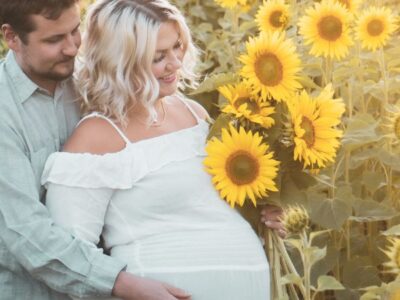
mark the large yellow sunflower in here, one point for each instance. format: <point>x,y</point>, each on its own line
<point>326,27</point>
<point>316,139</point>
<point>231,3</point>
<point>242,104</point>
<point>350,5</point>
<point>393,252</point>
<point>390,126</point>
<point>374,27</point>
<point>241,166</point>
<point>271,66</point>
<point>273,15</point>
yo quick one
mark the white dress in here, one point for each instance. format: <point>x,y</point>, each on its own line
<point>158,211</point>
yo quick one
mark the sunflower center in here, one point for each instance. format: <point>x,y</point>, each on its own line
<point>375,27</point>
<point>397,127</point>
<point>269,69</point>
<point>242,167</point>
<point>275,19</point>
<point>309,134</point>
<point>330,28</point>
<point>252,105</point>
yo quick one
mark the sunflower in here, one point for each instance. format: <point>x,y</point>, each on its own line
<point>273,15</point>
<point>326,27</point>
<point>390,125</point>
<point>350,5</point>
<point>231,3</point>
<point>395,295</point>
<point>374,27</point>
<point>271,66</point>
<point>241,166</point>
<point>242,104</point>
<point>295,219</point>
<point>313,121</point>
<point>393,252</point>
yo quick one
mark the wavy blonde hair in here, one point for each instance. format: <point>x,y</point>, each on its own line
<point>114,66</point>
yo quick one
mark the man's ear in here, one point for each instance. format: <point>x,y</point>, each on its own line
<point>11,37</point>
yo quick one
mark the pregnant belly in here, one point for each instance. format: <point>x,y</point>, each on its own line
<point>194,251</point>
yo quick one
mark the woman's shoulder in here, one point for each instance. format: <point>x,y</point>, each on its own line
<point>94,135</point>
<point>198,109</point>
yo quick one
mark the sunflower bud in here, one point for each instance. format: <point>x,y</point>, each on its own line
<point>295,219</point>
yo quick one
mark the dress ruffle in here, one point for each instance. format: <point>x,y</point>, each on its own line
<point>120,170</point>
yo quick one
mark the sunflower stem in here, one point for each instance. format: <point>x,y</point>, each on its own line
<point>382,65</point>
<point>361,78</point>
<point>287,262</point>
<point>328,70</point>
<point>348,240</point>
<point>306,265</point>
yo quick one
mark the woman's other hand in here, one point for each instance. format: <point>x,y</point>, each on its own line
<point>271,216</point>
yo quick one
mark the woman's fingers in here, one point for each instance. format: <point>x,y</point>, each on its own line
<point>178,293</point>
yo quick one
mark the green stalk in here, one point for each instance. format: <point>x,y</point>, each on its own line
<point>287,260</point>
<point>306,266</point>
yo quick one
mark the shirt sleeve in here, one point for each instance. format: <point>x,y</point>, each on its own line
<point>48,252</point>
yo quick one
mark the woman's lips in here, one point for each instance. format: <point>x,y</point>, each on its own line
<point>168,79</point>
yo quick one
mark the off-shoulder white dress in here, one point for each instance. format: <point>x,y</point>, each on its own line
<point>158,211</point>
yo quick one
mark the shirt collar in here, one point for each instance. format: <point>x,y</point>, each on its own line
<point>24,87</point>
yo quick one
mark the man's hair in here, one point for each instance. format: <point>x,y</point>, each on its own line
<point>18,13</point>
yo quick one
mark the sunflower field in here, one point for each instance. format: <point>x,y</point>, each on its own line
<point>305,102</point>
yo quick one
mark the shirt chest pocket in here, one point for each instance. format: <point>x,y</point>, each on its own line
<point>38,160</point>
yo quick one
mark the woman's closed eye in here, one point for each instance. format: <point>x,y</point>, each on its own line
<point>162,55</point>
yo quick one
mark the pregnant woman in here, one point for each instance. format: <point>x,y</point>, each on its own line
<point>133,169</point>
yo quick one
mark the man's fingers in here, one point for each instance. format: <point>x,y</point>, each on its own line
<point>274,225</point>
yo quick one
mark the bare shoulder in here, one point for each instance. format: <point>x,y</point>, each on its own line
<point>95,136</point>
<point>198,108</point>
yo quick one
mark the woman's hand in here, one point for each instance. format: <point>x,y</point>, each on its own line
<point>131,287</point>
<point>271,216</point>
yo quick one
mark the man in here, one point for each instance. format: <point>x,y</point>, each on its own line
<point>38,260</point>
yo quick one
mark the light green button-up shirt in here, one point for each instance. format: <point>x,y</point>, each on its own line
<point>38,260</point>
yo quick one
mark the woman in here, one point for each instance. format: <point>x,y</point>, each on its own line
<point>133,169</point>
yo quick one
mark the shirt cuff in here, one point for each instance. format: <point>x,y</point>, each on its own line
<point>103,274</point>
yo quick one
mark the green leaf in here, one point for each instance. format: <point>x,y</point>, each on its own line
<point>295,243</point>
<point>361,130</point>
<point>213,82</point>
<point>370,210</point>
<point>329,213</point>
<point>315,234</point>
<point>373,180</point>
<point>315,254</point>
<point>326,282</point>
<point>359,273</point>
<point>221,122</point>
<point>291,279</point>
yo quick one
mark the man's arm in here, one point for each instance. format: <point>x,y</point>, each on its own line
<point>48,252</point>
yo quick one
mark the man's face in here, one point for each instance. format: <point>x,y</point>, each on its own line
<point>49,53</point>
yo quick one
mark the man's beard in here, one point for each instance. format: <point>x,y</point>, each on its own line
<point>57,76</point>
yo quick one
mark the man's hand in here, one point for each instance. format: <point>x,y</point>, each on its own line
<point>271,216</point>
<point>131,287</point>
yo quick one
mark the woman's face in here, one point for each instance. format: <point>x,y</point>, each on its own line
<point>168,58</point>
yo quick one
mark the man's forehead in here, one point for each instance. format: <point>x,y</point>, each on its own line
<point>67,21</point>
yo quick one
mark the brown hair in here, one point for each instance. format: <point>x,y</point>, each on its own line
<point>17,13</point>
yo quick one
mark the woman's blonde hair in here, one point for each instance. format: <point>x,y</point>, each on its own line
<point>114,71</point>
